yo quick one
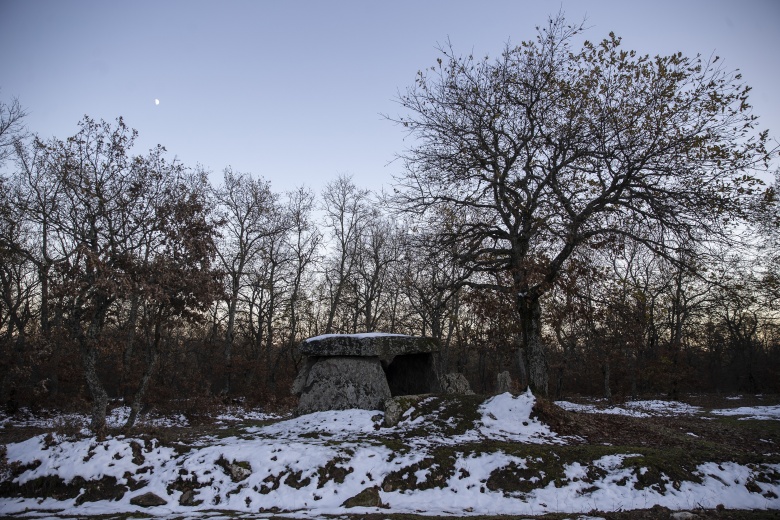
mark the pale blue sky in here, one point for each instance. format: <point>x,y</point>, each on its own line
<point>293,90</point>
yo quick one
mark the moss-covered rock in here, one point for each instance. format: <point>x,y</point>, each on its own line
<point>369,497</point>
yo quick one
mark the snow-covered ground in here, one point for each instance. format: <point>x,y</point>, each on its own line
<point>117,417</point>
<point>659,408</point>
<point>310,465</point>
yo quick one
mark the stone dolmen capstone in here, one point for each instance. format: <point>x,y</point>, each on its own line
<point>344,371</point>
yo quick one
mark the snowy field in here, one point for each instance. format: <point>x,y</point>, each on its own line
<point>659,408</point>
<point>316,464</point>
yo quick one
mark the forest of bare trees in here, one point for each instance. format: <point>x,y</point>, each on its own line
<point>593,221</point>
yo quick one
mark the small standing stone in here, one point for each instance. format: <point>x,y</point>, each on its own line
<point>455,383</point>
<point>504,383</point>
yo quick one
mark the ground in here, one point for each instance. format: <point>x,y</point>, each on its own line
<point>478,456</point>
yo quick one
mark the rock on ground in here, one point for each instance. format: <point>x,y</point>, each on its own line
<point>369,497</point>
<point>455,383</point>
<point>396,406</point>
<point>148,500</point>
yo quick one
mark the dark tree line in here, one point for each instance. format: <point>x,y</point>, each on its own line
<point>575,216</point>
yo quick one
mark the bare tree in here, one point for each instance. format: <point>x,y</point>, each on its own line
<point>12,129</point>
<point>244,206</point>
<point>346,211</point>
<point>380,248</point>
<point>549,149</point>
<point>304,241</point>
<point>176,279</point>
<point>126,226</point>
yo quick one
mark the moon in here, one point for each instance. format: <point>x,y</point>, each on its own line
<point>156,101</point>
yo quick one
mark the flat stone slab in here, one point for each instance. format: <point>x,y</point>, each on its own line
<point>381,345</point>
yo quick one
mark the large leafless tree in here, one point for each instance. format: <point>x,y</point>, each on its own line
<point>549,148</point>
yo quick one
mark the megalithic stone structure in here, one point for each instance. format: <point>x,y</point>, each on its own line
<point>344,371</point>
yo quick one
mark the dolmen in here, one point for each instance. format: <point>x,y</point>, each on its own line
<point>344,371</point>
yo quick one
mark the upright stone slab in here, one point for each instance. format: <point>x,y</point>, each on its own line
<point>342,383</point>
<point>362,370</point>
<point>503,382</point>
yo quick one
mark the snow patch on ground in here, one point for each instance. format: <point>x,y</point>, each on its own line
<point>752,412</point>
<point>310,465</point>
<point>330,426</point>
<point>357,336</point>
<point>115,418</point>
<point>651,408</point>
<point>660,408</point>
<point>509,418</point>
<point>592,408</point>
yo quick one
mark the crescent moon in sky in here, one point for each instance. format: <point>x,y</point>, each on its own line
<point>156,101</point>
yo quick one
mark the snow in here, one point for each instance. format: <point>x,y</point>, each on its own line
<point>509,418</point>
<point>752,412</point>
<point>330,425</point>
<point>651,408</point>
<point>357,336</point>
<point>116,418</point>
<point>660,408</point>
<point>289,458</point>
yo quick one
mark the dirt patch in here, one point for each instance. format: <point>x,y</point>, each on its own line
<point>436,471</point>
<point>334,471</point>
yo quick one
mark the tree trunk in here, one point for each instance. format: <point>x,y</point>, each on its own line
<point>229,333</point>
<point>43,276</point>
<point>530,312</point>
<point>87,345</point>
<point>96,390</point>
<point>269,327</point>
<point>127,355</point>
<point>151,366</point>
<point>605,372</point>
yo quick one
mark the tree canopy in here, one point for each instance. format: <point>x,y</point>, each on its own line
<point>549,149</point>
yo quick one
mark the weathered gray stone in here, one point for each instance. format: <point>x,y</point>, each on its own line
<point>188,498</point>
<point>148,500</point>
<point>395,407</point>
<point>238,472</point>
<point>504,382</point>
<point>383,346</point>
<point>341,383</point>
<point>303,374</point>
<point>455,383</point>
<point>369,497</point>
